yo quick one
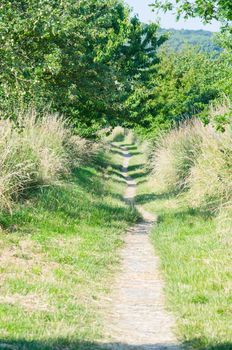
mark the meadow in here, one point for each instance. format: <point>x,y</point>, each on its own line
<point>192,235</point>
<point>59,251</point>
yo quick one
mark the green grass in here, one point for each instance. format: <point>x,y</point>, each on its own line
<point>59,250</point>
<point>196,265</point>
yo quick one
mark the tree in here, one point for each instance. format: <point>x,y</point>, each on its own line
<point>182,86</point>
<point>61,53</point>
<point>138,61</point>
<point>80,57</point>
<point>206,9</point>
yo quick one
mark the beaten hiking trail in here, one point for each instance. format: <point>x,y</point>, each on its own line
<point>138,318</point>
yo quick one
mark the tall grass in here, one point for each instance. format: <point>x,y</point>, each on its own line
<point>16,166</point>
<point>80,150</point>
<point>44,139</point>
<point>37,151</point>
<point>195,256</point>
<point>117,134</point>
<point>211,176</point>
<point>174,155</point>
<point>130,137</point>
<point>198,158</point>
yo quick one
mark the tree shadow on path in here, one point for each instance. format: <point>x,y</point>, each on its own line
<point>150,197</point>
<point>64,344</point>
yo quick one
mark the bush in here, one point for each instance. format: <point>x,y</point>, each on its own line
<point>175,154</point>
<point>220,114</point>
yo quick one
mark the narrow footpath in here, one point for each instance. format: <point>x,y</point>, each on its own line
<point>138,318</point>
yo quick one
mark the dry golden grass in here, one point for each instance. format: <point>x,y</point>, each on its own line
<point>117,134</point>
<point>174,156</point>
<point>80,149</point>
<point>44,139</point>
<point>211,176</point>
<point>198,158</point>
<point>130,137</point>
<point>16,168</point>
<point>37,151</point>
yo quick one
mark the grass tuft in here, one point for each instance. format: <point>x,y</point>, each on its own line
<point>37,152</point>
<point>211,176</point>
<point>174,156</point>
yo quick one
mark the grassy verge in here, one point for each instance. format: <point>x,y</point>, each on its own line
<point>196,262</point>
<point>58,251</point>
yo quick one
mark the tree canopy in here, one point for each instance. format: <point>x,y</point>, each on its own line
<point>206,9</point>
<point>99,66</point>
<point>78,56</point>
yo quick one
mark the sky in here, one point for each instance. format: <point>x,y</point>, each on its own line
<point>168,20</point>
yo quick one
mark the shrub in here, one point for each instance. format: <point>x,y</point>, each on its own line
<point>220,114</point>
<point>174,156</point>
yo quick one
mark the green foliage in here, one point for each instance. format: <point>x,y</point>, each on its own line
<point>182,86</point>
<point>139,61</point>
<point>99,67</point>
<point>78,57</point>
<point>58,52</point>
<point>206,9</point>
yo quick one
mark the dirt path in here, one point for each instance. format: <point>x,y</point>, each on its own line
<point>138,319</point>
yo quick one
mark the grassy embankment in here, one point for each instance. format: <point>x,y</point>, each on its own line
<point>58,252</point>
<point>195,260</point>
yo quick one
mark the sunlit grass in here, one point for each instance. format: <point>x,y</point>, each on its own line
<point>196,264</point>
<point>58,252</point>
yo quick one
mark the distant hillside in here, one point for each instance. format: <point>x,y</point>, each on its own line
<point>201,38</point>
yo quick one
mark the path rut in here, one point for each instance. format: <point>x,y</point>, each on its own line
<point>138,318</point>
